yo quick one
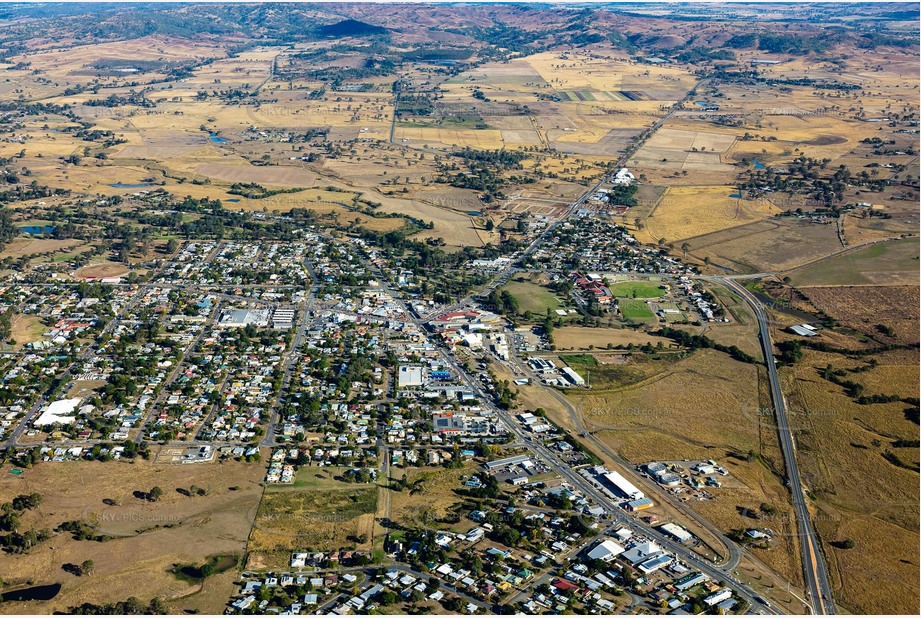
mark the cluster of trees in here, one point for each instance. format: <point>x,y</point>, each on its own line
<point>14,541</point>
<point>623,195</point>
<point>358,475</point>
<point>131,607</point>
<point>695,342</point>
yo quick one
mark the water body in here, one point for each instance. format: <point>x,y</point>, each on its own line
<point>139,185</point>
<point>474,213</point>
<point>233,200</point>
<point>35,593</point>
<point>701,103</point>
<point>217,139</point>
<point>759,165</point>
<point>736,195</point>
<point>35,230</point>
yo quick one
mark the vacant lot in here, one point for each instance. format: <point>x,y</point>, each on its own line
<point>147,538</point>
<point>532,297</point>
<point>311,519</point>
<point>581,337</point>
<point>433,493</point>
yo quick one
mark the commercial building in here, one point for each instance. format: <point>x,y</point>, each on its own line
<point>623,486</point>
<point>240,318</point>
<point>606,551</point>
<point>572,376</point>
<point>676,532</point>
<point>409,376</point>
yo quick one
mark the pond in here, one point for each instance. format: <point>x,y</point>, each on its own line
<point>474,213</point>
<point>45,592</point>
<point>35,230</point>
<point>138,185</point>
<point>759,165</point>
<point>216,138</point>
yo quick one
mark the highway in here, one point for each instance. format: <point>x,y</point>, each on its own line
<point>814,570</point>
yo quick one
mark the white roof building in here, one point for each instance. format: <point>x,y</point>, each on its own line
<point>61,411</point>
<point>607,550</point>
<point>409,376</point>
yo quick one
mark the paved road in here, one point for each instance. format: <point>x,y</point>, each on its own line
<point>576,480</point>
<point>814,569</point>
<point>732,553</point>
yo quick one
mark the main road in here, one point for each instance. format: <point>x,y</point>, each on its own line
<point>814,570</point>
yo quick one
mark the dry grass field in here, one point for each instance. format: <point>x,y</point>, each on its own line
<point>148,538</point>
<point>688,212</point>
<point>860,495</point>
<point>435,493</point>
<point>698,407</point>
<point>22,247</point>
<point>323,517</point>
<point>767,246</point>
<point>582,337</point>
<point>862,308</point>
<point>890,263</point>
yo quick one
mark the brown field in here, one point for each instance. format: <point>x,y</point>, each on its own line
<point>861,496</point>
<point>21,247</point>
<point>581,337</point>
<point>766,246</point>
<point>105,269</point>
<point>291,518</point>
<point>26,329</point>
<point>672,410</point>
<point>436,493</point>
<point>688,212</point>
<point>147,538</point>
<point>685,150</point>
<point>892,306</point>
<point>269,175</point>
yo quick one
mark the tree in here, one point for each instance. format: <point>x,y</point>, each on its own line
<point>86,567</point>
<point>155,493</point>
<point>685,247</point>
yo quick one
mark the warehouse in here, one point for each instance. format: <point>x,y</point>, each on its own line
<point>676,532</point>
<point>409,376</point>
<point>508,461</point>
<point>606,551</point>
<point>573,377</point>
<point>623,486</point>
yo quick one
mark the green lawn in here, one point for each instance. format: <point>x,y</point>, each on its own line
<point>636,311</point>
<point>637,289</point>
<point>532,297</point>
<point>579,359</point>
